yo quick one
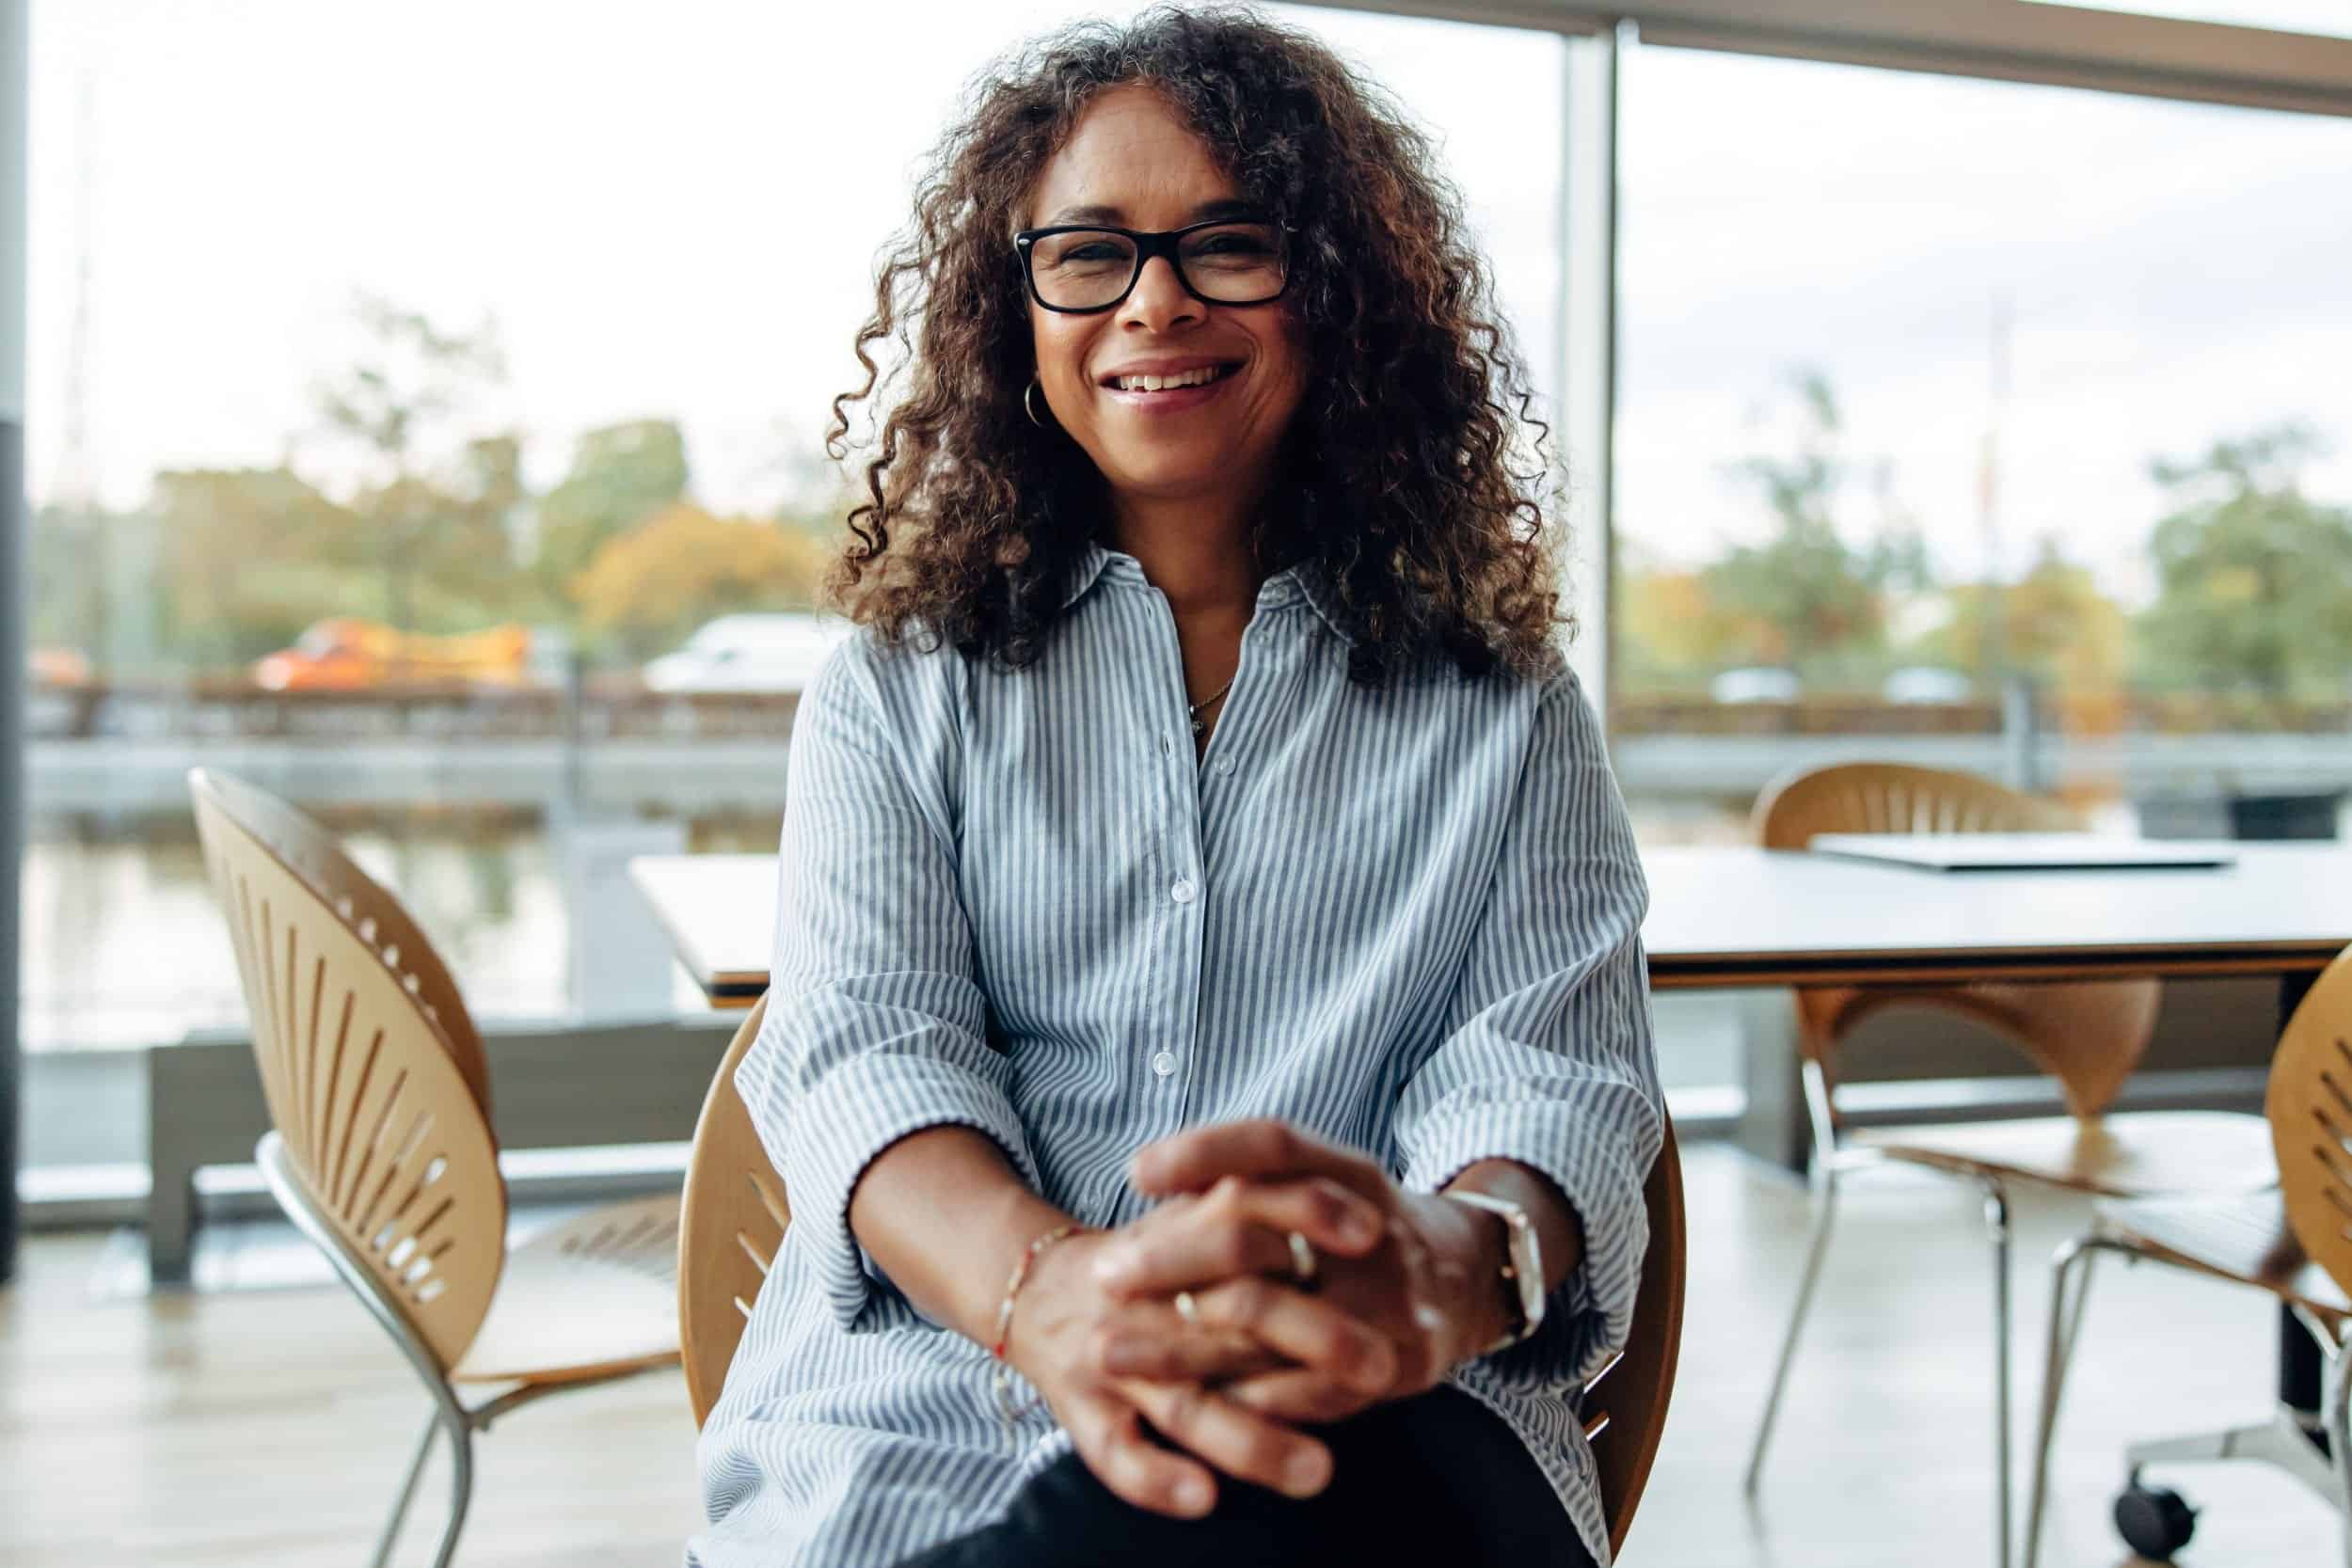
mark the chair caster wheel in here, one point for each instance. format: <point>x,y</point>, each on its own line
<point>2153,1522</point>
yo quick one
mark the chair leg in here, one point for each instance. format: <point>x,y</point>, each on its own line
<point>390,1537</point>
<point>2072,1267</point>
<point>461,1484</point>
<point>1996,1228</point>
<point>1824,1220</point>
<point>2339,1419</point>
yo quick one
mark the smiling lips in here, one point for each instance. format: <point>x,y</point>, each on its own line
<point>1170,388</point>
<point>1199,377</point>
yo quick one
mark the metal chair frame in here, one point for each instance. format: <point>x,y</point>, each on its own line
<point>1829,1164</point>
<point>2320,1455</point>
<point>451,1414</point>
<point>2311,1120</point>
<point>1882,798</point>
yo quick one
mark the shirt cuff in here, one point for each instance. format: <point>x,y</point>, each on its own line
<point>851,1114</point>
<point>1598,1152</point>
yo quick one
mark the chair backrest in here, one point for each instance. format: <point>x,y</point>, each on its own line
<point>1892,798</point>
<point>2309,1105</point>
<point>363,904</point>
<point>1624,1407</point>
<point>370,1096</point>
<point>729,1228</point>
<point>2089,1035</point>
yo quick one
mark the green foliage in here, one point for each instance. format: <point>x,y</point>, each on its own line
<point>650,587</point>
<point>621,475</point>
<point>249,557</point>
<point>438,535</point>
<point>1805,599</point>
<point>66,561</point>
<point>2055,625</point>
<point>438,532</point>
<point>2254,578</point>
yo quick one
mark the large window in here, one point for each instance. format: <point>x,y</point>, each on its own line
<point>417,400</point>
<point>1957,412</point>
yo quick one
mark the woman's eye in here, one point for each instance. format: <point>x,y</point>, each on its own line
<point>1098,251</point>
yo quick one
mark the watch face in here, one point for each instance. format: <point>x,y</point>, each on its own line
<point>1528,1264</point>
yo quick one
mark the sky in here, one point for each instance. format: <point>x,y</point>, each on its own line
<point>673,210</point>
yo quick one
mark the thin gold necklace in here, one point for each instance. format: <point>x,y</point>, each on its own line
<point>1196,709</point>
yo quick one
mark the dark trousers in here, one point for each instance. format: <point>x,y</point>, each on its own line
<point>1435,1480</point>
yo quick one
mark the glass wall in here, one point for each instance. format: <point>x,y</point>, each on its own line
<point>430,432</point>
<point>1980,425</point>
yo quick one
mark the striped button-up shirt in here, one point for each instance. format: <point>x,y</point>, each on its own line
<point>1404,919</point>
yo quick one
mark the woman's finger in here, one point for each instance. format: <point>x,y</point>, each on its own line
<point>1237,1228</point>
<point>1298,1394</point>
<point>1310,1331</point>
<point>1192,1161</point>
<point>1317,1332</point>
<point>1150,1339</point>
<point>1329,1213</point>
<point>1160,1260</point>
<point>1124,1459</point>
<point>1242,1444</point>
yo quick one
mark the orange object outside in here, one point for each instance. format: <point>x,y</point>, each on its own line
<point>347,654</point>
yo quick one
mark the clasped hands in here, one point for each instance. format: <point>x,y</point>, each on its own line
<point>1400,1298</point>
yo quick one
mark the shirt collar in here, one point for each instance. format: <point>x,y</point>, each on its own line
<point>1288,586</point>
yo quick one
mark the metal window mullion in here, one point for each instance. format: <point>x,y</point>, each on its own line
<point>15,87</point>
<point>1586,362</point>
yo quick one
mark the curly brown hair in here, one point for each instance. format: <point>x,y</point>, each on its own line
<point>1398,488</point>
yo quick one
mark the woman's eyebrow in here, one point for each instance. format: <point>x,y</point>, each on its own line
<point>1224,206</point>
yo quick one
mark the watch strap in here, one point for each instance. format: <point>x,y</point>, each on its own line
<point>1522,1266</point>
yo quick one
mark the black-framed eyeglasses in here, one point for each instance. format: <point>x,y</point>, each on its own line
<point>1080,268</point>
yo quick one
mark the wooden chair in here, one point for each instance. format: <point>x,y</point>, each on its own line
<point>2293,1242</point>
<point>2089,1035</point>
<point>1638,1385</point>
<point>731,1227</point>
<point>736,1215</point>
<point>381,1149</point>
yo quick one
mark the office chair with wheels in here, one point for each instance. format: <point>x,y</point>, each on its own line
<point>2295,1243</point>
<point>2087,1036</point>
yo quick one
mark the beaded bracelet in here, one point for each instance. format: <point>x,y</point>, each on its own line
<point>1001,1376</point>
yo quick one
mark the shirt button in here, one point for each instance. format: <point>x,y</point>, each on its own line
<point>1164,1064</point>
<point>1182,891</point>
<point>1224,765</point>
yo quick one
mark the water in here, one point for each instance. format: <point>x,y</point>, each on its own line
<point>125,947</point>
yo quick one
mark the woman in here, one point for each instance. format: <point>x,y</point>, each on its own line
<point>1209,1054</point>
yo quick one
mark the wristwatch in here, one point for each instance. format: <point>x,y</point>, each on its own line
<point>1522,1268</point>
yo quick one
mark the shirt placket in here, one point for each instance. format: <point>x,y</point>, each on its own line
<point>1193,786</point>
<point>1183,885</point>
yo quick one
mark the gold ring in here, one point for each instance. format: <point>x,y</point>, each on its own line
<point>1186,1307</point>
<point>1302,1261</point>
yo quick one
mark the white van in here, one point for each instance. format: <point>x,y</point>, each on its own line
<point>750,653</point>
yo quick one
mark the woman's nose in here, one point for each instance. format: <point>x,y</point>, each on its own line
<point>1159,301</point>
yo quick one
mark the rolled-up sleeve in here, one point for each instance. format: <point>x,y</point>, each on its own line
<point>1547,1056</point>
<point>876,1026</point>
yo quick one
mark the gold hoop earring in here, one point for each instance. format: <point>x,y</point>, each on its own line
<point>1029,407</point>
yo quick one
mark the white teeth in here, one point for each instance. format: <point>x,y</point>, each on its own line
<point>1161,382</point>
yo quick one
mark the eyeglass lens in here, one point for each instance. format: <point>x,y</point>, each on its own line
<point>1233,263</point>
